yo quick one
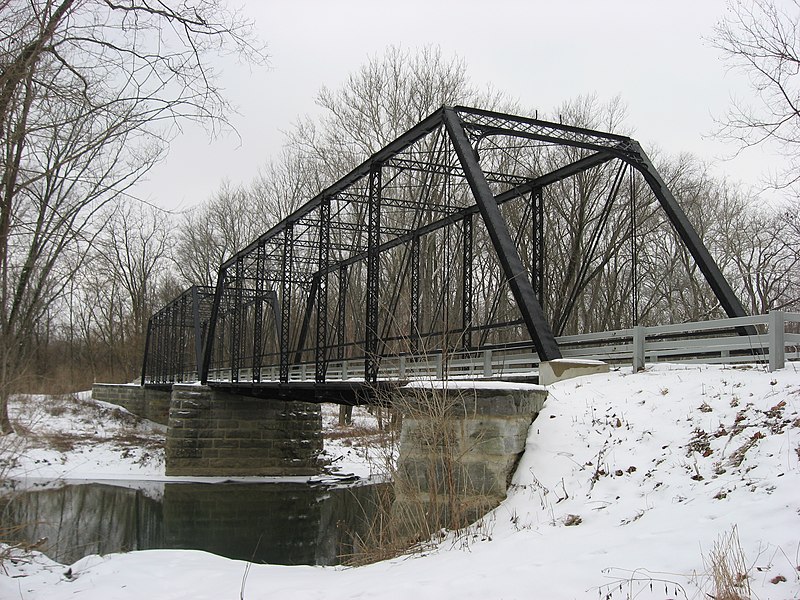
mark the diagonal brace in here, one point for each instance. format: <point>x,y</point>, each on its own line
<point>532,313</point>
<point>720,286</point>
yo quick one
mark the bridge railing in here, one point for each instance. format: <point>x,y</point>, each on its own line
<point>770,339</point>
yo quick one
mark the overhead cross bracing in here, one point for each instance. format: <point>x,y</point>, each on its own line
<point>434,244</point>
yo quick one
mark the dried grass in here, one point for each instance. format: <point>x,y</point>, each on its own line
<point>421,507</point>
<point>358,432</point>
<point>727,569</point>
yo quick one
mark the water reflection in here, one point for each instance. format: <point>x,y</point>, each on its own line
<point>282,523</point>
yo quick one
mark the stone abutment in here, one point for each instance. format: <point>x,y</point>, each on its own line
<point>143,402</point>
<point>459,448</point>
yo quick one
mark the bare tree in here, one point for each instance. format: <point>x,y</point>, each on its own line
<point>386,96</point>
<point>763,252</point>
<point>215,230</point>
<point>90,93</point>
<point>282,186</point>
<point>133,258</point>
<point>761,38</point>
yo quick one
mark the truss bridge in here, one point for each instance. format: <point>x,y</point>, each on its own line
<point>432,258</point>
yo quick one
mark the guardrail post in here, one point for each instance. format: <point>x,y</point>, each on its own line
<point>439,366</point>
<point>402,370</point>
<point>777,341</point>
<point>487,364</point>
<point>344,370</point>
<point>638,348</point>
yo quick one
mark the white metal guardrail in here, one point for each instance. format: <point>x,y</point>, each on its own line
<point>774,339</point>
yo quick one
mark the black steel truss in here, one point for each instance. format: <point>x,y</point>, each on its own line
<point>175,336</point>
<point>394,248</point>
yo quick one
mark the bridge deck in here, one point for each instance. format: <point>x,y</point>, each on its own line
<point>337,392</point>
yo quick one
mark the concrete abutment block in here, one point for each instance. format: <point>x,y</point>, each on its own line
<point>566,368</point>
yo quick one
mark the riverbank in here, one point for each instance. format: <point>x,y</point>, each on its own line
<point>75,438</point>
<point>630,486</point>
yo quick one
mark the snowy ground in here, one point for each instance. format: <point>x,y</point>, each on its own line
<point>75,438</point>
<point>627,483</point>
<point>358,449</point>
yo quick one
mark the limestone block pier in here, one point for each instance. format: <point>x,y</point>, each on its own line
<point>216,433</point>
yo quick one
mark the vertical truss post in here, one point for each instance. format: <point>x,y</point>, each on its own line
<point>155,363</point>
<point>371,362</point>
<point>258,316</point>
<point>208,344</point>
<point>198,333</point>
<point>537,210</point>
<point>172,345</point>
<point>320,362</point>
<point>307,314</point>
<point>634,254</point>
<point>275,305</point>
<point>222,359</point>
<point>236,320</point>
<point>341,333</point>
<point>182,340</point>
<point>286,300</point>
<point>147,350</point>
<point>155,366</point>
<point>165,331</point>
<point>529,307</point>
<point>162,345</point>
<point>466,283</point>
<point>162,348</point>
<point>414,325</point>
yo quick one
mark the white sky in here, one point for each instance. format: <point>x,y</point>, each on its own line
<point>654,54</point>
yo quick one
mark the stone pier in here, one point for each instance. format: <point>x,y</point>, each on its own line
<point>216,433</point>
<point>459,448</point>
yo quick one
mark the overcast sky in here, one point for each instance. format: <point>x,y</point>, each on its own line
<point>654,54</point>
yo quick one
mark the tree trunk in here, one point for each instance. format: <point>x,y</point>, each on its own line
<point>345,415</point>
<point>5,422</point>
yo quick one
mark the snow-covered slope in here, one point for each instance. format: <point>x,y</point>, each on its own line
<point>627,483</point>
<point>76,437</point>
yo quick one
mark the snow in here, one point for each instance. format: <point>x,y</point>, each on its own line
<point>74,437</point>
<point>363,454</point>
<point>627,483</point>
<point>472,384</point>
<point>577,361</point>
